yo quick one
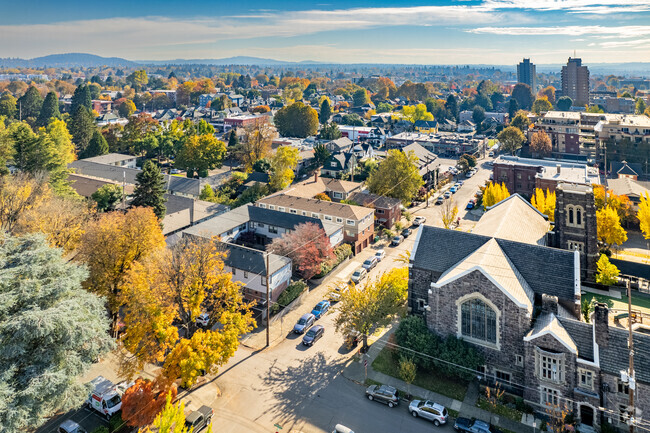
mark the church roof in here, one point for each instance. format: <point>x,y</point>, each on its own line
<point>548,324</point>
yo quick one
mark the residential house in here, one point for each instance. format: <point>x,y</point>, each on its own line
<point>101,106</point>
<point>336,189</point>
<point>388,210</point>
<point>110,119</point>
<point>115,159</point>
<point>358,221</point>
<point>427,164</point>
<point>448,125</point>
<point>339,165</point>
<point>339,145</point>
<point>466,126</point>
<point>426,126</point>
<point>244,121</point>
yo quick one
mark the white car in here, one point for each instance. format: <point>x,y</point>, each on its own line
<point>203,319</point>
<point>380,254</point>
<point>419,220</point>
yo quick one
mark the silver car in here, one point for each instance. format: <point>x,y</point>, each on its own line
<point>429,410</point>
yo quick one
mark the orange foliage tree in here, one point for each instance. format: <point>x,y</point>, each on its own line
<point>143,401</point>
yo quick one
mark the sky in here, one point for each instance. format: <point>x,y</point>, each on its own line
<point>338,31</point>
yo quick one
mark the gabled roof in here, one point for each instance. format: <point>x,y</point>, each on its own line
<point>426,124</point>
<point>317,206</point>
<point>373,200</point>
<point>515,219</point>
<point>251,260</point>
<point>627,186</point>
<point>494,264</point>
<point>627,170</point>
<point>582,334</point>
<point>548,324</point>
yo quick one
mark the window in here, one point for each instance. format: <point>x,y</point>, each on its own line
<point>623,388</point>
<point>273,229</point>
<point>338,195</point>
<point>519,361</point>
<point>575,216</point>
<point>349,233</point>
<point>327,218</point>
<point>349,222</point>
<point>379,211</point>
<point>481,369</point>
<point>293,211</point>
<point>578,246</point>
<point>263,278</point>
<point>245,274</point>
<point>519,176</point>
<point>260,225</point>
<point>272,207</point>
<point>242,227</point>
<point>421,304</point>
<point>549,366</point>
<point>550,396</point>
<point>333,164</point>
<point>281,208</point>
<point>502,376</point>
<point>304,213</point>
<point>314,215</point>
<point>586,378</point>
<point>478,321</point>
<point>339,220</point>
<point>262,205</point>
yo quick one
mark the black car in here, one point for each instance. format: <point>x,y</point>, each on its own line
<point>384,394</point>
<point>313,334</point>
<point>199,419</point>
<point>467,425</point>
<point>406,232</point>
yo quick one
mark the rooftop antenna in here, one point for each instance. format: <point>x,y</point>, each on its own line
<point>574,54</point>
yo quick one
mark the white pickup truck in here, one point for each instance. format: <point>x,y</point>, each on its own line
<point>106,397</point>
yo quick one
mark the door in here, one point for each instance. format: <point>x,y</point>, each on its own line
<point>587,415</point>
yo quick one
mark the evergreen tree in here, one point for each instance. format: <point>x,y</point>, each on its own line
<point>82,127</point>
<point>81,98</point>
<point>51,332</point>
<point>49,110</point>
<point>233,140</point>
<point>97,146</point>
<point>150,189</point>
<point>513,107</point>
<point>8,106</point>
<point>30,103</point>
<point>325,112</point>
<point>452,106</point>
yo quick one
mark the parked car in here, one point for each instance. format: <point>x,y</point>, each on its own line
<point>467,425</point>
<point>70,426</point>
<point>453,190</point>
<point>358,275</point>
<point>447,194</point>
<point>369,263</point>
<point>429,410</point>
<point>491,154</point>
<point>470,204</point>
<point>199,419</point>
<point>397,240</point>
<point>406,232</point>
<point>419,220</point>
<point>384,394</point>
<point>380,254</point>
<point>469,174</point>
<point>320,309</point>
<point>304,323</point>
<point>440,200</point>
<point>340,428</point>
<point>313,335</point>
<point>460,183</point>
<point>202,320</point>
<point>337,291</point>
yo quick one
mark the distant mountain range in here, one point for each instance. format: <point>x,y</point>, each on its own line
<point>91,60</point>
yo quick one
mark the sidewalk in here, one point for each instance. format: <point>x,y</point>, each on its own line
<point>355,372</point>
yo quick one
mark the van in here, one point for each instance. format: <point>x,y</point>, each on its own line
<point>106,397</point>
<point>339,428</point>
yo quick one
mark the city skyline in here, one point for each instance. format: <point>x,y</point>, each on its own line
<point>445,32</point>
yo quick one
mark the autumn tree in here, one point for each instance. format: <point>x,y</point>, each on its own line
<point>150,189</point>
<point>397,176</point>
<point>256,144</point>
<point>407,372</point>
<point>545,203</point>
<point>607,273</point>
<point>511,139</point>
<point>199,154</point>
<point>448,213</point>
<point>620,203</point>
<point>540,144</point>
<point>112,244</point>
<point>296,120</point>
<point>19,194</point>
<point>542,105</point>
<point>143,401</point>
<point>548,92</point>
<point>138,79</point>
<point>107,196</point>
<point>6,147</point>
<point>308,247</point>
<point>126,108</point>
<point>644,215</point>
<point>365,309</point>
<point>165,293</point>
<point>51,332</point>
<point>494,193</point>
<point>413,113</point>
<point>283,164</point>
<point>610,231</point>
<point>172,419</point>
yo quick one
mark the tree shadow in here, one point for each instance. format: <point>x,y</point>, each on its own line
<point>294,387</point>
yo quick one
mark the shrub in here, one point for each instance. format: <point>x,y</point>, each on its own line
<point>101,429</point>
<point>341,253</point>
<point>289,295</point>
<point>115,424</point>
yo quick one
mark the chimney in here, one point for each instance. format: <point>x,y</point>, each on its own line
<point>549,304</point>
<point>601,324</point>
<point>558,167</point>
<point>192,212</point>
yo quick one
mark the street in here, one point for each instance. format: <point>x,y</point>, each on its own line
<point>289,387</point>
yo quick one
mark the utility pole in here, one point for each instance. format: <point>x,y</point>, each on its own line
<point>630,345</point>
<point>268,303</point>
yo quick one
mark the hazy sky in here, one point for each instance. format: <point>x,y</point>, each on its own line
<point>352,31</point>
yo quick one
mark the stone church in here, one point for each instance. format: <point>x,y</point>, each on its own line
<point>505,290</point>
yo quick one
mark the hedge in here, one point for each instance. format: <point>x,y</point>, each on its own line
<point>341,253</point>
<point>289,295</point>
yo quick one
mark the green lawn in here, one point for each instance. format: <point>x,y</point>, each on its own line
<point>433,381</point>
<point>639,302</point>
<point>499,409</point>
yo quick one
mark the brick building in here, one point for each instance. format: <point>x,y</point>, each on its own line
<point>524,317</point>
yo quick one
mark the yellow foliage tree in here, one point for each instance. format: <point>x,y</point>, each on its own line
<point>283,164</point>
<point>171,419</point>
<point>607,272</point>
<point>610,231</point>
<point>494,193</point>
<point>621,203</point>
<point>19,194</point>
<point>545,203</point>
<point>644,215</point>
<point>112,244</point>
<point>178,286</point>
<point>448,212</point>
